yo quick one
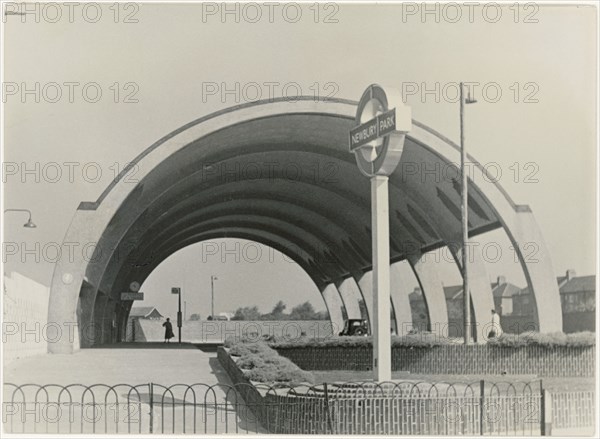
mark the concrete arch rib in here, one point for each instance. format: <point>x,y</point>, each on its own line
<point>482,299</point>
<point>335,307</point>
<point>351,296</point>
<point>400,300</point>
<point>425,270</point>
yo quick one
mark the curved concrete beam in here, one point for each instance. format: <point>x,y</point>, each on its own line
<point>482,298</point>
<point>351,295</point>
<point>335,306</point>
<point>537,265</point>
<point>400,299</point>
<point>426,272</point>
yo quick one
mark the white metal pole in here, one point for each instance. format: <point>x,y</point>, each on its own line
<point>380,321</point>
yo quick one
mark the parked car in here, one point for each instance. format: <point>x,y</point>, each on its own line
<point>355,327</point>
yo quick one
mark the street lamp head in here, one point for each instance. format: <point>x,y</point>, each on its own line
<point>30,224</point>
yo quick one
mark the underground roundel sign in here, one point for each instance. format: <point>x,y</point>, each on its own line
<point>377,139</point>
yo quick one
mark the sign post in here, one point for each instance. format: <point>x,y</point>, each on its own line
<point>177,291</point>
<point>377,142</point>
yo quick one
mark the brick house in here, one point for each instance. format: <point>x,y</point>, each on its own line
<point>515,305</point>
<point>577,298</point>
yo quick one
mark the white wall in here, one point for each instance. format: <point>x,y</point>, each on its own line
<point>24,318</point>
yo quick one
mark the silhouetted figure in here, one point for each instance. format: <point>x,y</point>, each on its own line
<point>496,330</point>
<point>168,330</point>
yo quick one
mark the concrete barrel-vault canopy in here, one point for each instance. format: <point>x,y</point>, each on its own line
<point>279,173</point>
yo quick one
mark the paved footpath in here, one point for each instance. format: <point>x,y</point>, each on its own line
<point>131,363</point>
<point>175,409</point>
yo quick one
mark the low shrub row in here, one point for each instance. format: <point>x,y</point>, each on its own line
<point>576,339</point>
<point>263,364</point>
<point>416,340</point>
<point>426,340</point>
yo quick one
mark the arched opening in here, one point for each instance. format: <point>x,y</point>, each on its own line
<point>248,275</point>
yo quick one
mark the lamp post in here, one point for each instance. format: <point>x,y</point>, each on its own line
<point>29,224</point>
<point>212,295</point>
<point>464,207</point>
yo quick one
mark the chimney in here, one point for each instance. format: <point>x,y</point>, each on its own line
<point>571,274</point>
<point>501,280</point>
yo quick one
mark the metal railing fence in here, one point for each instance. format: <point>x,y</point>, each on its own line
<point>478,408</point>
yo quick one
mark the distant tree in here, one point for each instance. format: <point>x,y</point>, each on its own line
<point>277,313</point>
<point>278,308</point>
<point>322,315</point>
<point>195,317</point>
<point>304,311</point>
<point>247,313</point>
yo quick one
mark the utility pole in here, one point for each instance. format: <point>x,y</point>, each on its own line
<point>464,207</point>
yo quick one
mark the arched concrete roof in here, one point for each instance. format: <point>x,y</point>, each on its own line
<point>277,172</point>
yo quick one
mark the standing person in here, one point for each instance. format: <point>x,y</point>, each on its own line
<point>496,330</point>
<point>168,330</point>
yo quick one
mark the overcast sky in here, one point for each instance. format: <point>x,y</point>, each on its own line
<point>544,143</point>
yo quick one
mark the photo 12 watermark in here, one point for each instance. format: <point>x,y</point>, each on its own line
<point>71,12</point>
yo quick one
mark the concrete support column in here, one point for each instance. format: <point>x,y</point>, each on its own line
<point>335,306</point>
<point>426,271</point>
<point>350,294</point>
<point>98,321</point>
<point>482,298</point>
<point>86,314</point>
<point>400,299</point>
<point>107,321</point>
<point>125,317</point>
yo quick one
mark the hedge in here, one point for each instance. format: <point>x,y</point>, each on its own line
<point>425,340</point>
<point>549,340</point>
<point>263,364</point>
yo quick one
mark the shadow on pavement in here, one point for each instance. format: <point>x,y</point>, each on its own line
<point>205,347</point>
<point>145,345</point>
<point>219,372</point>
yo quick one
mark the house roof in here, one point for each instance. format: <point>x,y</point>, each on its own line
<point>142,311</point>
<point>505,290</point>
<point>575,285</point>
<point>453,292</point>
<point>416,294</point>
<point>578,284</point>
